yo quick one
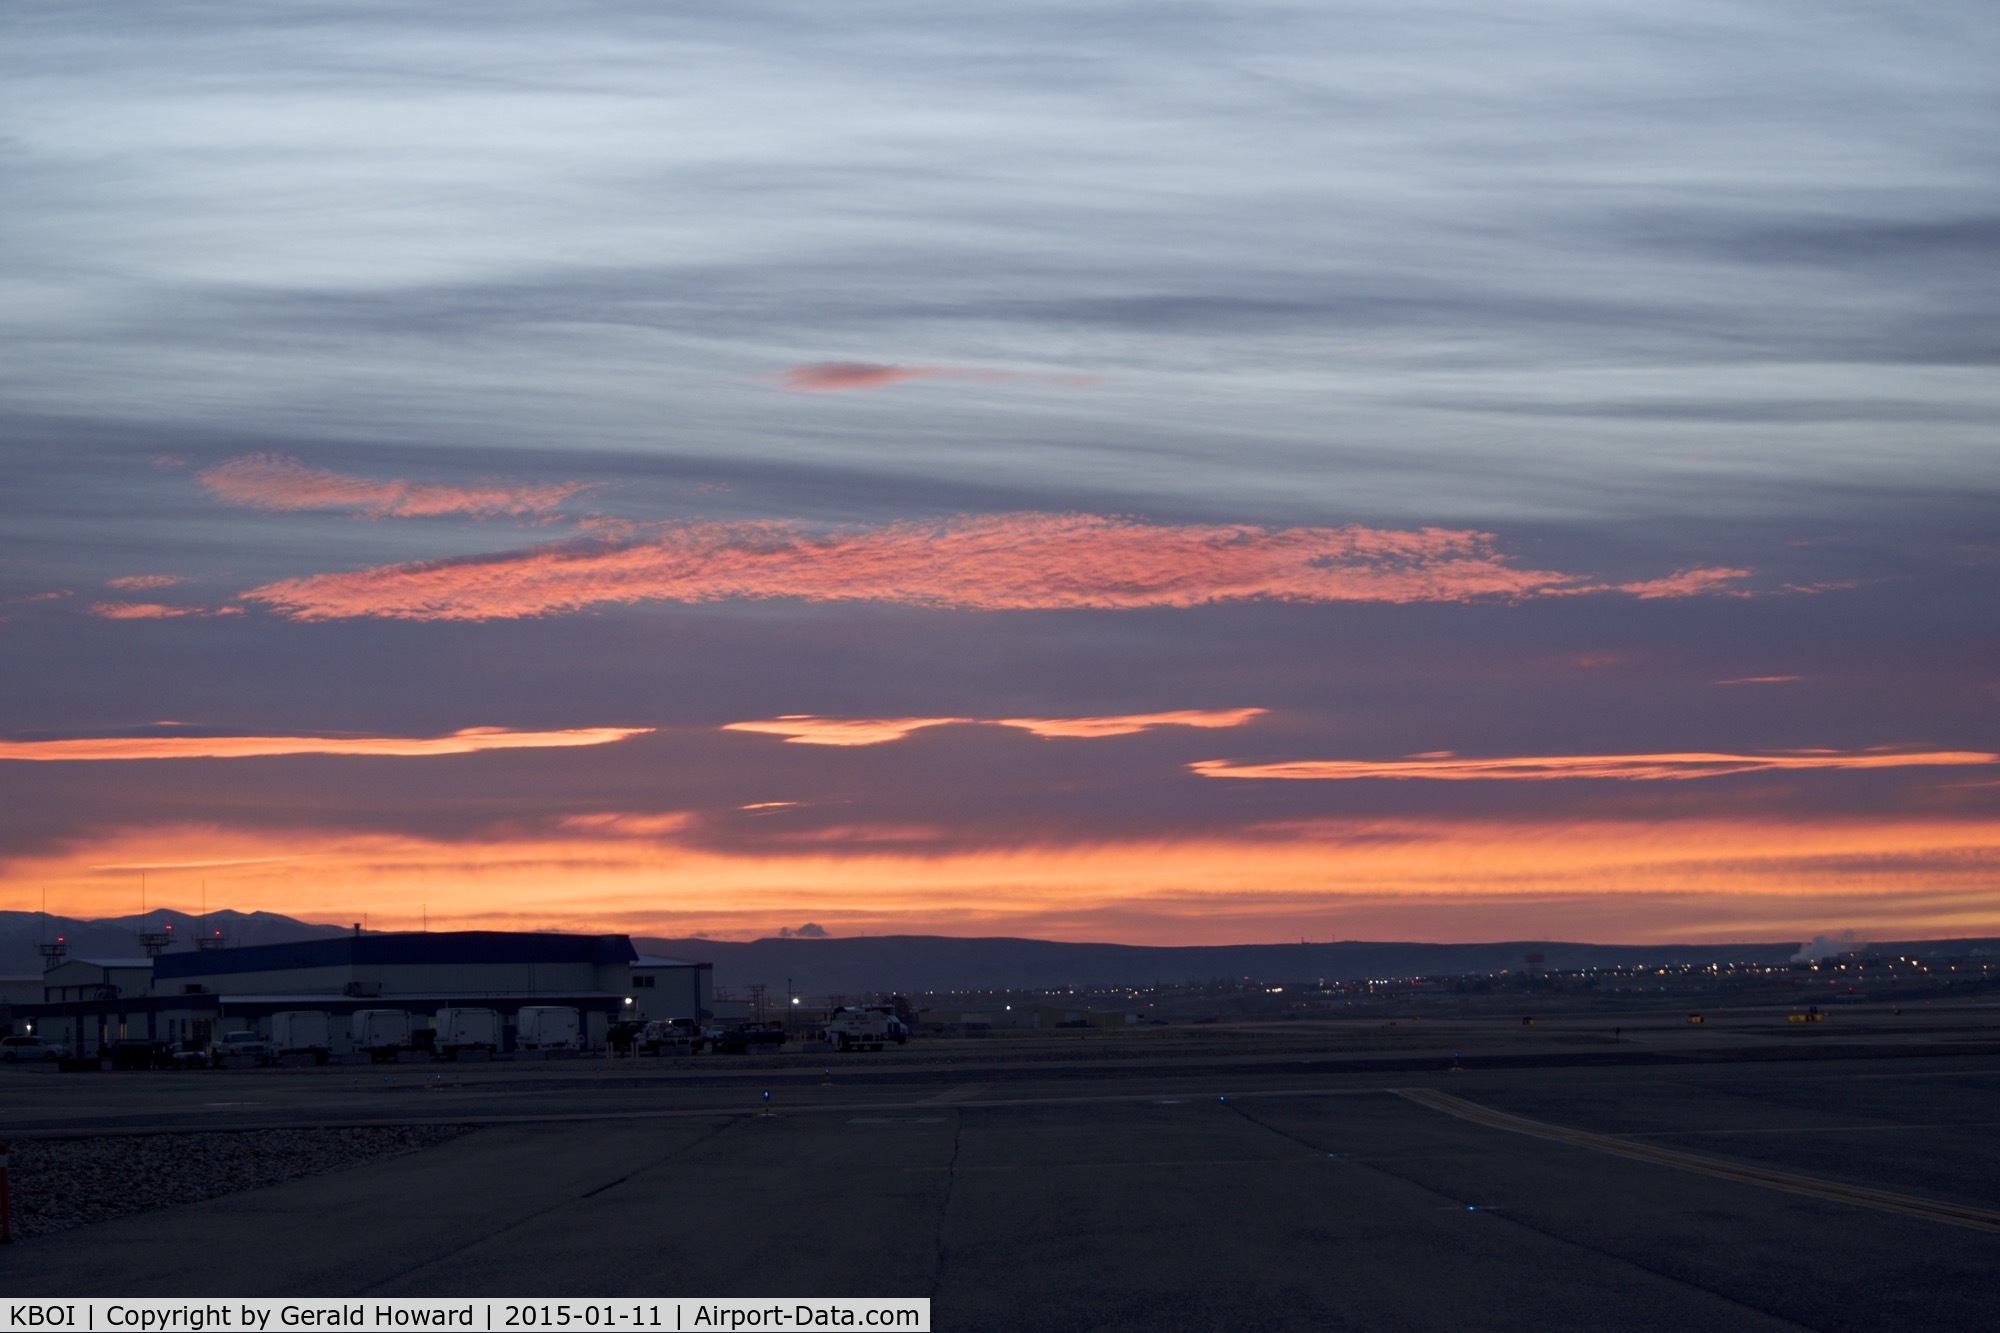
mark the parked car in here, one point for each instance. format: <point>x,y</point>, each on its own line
<point>13,1050</point>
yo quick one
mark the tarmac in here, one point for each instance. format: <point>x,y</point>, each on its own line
<point>1468,1175</point>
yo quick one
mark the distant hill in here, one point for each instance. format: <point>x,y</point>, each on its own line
<point>916,963</point>
<point>118,937</point>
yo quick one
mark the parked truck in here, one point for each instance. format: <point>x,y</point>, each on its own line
<point>865,1028</point>
<point>301,1032</point>
<point>380,1032</point>
<point>241,1047</point>
<point>466,1030</point>
<point>547,1027</point>
<point>669,1036</point>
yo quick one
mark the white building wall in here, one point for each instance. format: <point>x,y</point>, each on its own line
<point>677,990</point>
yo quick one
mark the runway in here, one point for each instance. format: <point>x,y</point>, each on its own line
<point>1724,1195</point>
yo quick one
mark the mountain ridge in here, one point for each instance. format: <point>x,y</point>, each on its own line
<point>861,964</point>
<point>918,963</point>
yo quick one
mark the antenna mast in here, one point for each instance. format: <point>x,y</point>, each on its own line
<point>154,942</point>
<point>208,939</point>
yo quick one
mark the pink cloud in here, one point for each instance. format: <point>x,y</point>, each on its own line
<point>144,582</point>
<point>1685,583</point>
<point>470,741</point>
<point>1628,767</point>
<point>156,611</point>
<point>862,834</point>
<point>271,481</point>
<point>986,563</point>
<point>845,376</point>
<point>806,729</point>
<point>140,610</point>
<point>630,825</point>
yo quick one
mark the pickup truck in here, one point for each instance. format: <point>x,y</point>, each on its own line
<point>243,1045</point>
<point>669,1036</point>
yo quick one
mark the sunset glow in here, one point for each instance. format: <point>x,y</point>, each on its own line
<point>1624,767</point>
<point>1708,879</point>
<point>801,729</point>
<point>1172,475</point>
<point>469,741</point>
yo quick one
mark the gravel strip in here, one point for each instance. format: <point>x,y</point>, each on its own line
<point>61,1183</point>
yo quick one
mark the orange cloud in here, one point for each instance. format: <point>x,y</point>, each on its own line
<point>806,729</point>
<point>144,582</point>
<point>989,563</point>
<point>1409,879</point>
<point>1760,680</point>
<point>1628,767</point>
<point>1127,723</point>
<point>272,481</point>
<point>470,741</point>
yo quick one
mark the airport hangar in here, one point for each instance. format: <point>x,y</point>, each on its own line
<point>191,997</point>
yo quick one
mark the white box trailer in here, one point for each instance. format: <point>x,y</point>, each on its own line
<point>301,1032</point>
<point>547,1027</point>
<point>380,1032</point>
<point>466,1030</point>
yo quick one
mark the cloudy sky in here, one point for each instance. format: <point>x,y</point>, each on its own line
<point>1161,473</point>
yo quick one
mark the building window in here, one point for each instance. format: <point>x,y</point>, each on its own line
<point>643,981</point>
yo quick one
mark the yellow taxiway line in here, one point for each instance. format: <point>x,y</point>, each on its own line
<point>1860,1196</point>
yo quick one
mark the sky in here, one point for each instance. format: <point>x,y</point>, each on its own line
<point>1167,473</point>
